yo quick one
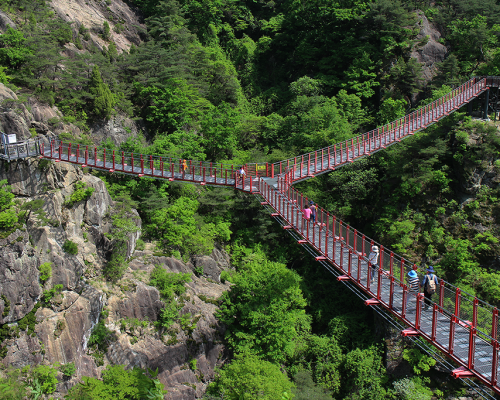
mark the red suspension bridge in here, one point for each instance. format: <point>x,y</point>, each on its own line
<point>460,325</point>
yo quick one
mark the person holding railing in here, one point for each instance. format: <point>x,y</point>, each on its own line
<point>413,287</point>
<point>373,260</point>
<point>430,284</point>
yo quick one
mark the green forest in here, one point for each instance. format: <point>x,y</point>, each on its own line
<point>242,81</point>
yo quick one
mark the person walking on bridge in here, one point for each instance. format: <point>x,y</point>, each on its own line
<point>307,213</point>
<point>373,260</point>
<point>242,174</point>
<point>430,284</point>
<point>413,287</point>
<point>314,211</point>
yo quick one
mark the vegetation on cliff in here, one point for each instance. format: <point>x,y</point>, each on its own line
<point>251,81</point>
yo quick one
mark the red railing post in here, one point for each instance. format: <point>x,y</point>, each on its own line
<point>113,160</point>
<point>142,165</point>
<point>472,335</point>
<point>434,322</point>
<point>418,310</point>
<point>341,264</point>
<point>403,305</point>
<point>494,342</point>
<point>379,283</point>
<point>349,265</point>
<point>454,320</point>
<point>441,295</point>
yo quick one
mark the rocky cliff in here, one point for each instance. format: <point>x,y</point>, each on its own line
<point>61,327</point>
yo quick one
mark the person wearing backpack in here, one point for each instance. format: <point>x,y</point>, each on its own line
<point>430,284</point>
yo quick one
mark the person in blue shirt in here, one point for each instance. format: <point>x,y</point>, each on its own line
<point>413,286</point>
<point>430,284</point>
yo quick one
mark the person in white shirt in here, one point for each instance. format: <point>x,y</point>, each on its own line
<point>373,260</point>
<point>242,173</point>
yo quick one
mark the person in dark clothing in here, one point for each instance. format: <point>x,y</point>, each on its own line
<point>430,285</point>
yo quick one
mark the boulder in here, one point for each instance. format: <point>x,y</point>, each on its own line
<point>5,22</point>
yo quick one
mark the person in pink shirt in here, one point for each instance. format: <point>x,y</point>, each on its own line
<point>307,212</point>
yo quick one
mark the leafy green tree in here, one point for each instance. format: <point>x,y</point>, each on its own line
<point>13,48</point>
<point>363,375</point>
<point>307,389</point>
<point>264,310</point>
<point>177,105</point>
<point>46,376</point>
<point>118,383</point>
<point>12,387</point>
<point>472,40</point>
<point>8,216</point>
<point>179,230</point>
<point>248,377</point>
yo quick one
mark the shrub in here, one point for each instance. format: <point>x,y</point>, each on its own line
<point>140,245</point>
<point>169,283</point>
<point>101,336</point>
<point>49,294</point>
<point>82,192</point>
<point>199,270</point>
<point>45,271</point>
<point>68,370</point>
<point>70,247</point>
<point>6,307</point>
<point>46,376</point>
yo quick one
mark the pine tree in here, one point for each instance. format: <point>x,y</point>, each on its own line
<point>104,100</point>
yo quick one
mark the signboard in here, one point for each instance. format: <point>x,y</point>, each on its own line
<point>11,139</point>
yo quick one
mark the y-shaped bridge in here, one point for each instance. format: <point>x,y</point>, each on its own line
<point>460,325</point>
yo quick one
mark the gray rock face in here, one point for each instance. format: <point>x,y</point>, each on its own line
<point>93,14</point>
<point>144,304</point>
<point>209,266</point>
<point>432,52</point>
<point>118,129</point>
<point>18,276</point>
